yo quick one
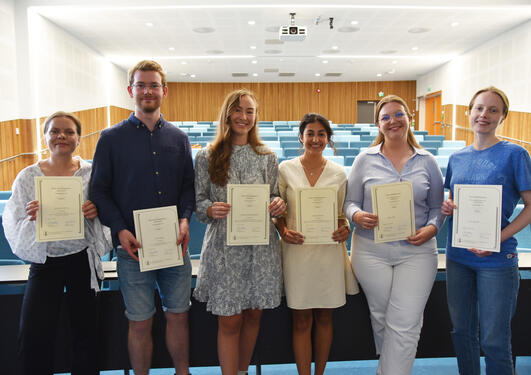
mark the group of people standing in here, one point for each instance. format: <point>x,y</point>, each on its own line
<point>146,162</point>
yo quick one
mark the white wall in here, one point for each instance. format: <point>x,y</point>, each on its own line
<point>8,67</point>
<point>44,69</point>
<point>504,62</point>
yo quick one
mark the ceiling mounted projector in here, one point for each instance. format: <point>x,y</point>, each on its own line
<point>292,32</point>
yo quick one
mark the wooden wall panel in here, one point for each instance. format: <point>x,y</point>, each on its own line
<point>517,126</point>
<point>281,100</point>
<point>9,169</point>
<point>119,114</point>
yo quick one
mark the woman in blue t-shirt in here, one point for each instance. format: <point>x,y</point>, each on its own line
<point>482,286</point>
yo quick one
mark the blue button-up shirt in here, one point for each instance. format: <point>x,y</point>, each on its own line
<point>373,168</point>
<point>135,168</point>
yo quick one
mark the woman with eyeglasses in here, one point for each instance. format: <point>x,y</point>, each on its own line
<point>236,282</point>
<point>397,276</point>
<point>316,276</point>
<point>73,265</point>
<point>482,286</point>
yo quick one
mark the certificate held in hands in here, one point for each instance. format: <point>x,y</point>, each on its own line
<point>317,214</point>
<point>395,208</point>
<point>248,219</point>
<point>59,216</point>
<point>477,218</point>
<point>157,230</point>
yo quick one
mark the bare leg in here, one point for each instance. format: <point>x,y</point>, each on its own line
<point>322,338</point>
<point>229,328</point>
<point>177,340</point>
<point>302,340</point>
<point>140,345</point>
<point>248,335</point>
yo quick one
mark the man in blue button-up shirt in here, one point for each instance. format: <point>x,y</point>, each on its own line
<point>146,162</point>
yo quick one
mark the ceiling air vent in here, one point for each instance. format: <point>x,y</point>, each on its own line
<point>286,74</point>
<point>240,74</point>
<point>270,70</point>
<point>333,74</point>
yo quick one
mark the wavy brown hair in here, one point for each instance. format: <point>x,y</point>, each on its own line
<point>394,99</point>
<point>221,146</point>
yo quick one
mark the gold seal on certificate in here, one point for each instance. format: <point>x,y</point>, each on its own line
<point>395,208</point>
<point>317,214</point>
<point>59,216</point>
<point>157,230</point>
<point>248,220</point>
<point>477,218</point>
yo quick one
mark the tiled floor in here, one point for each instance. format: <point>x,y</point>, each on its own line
<point>431,366</point>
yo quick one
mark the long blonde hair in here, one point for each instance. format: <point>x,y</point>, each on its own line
<point>380,139</point>
<point>221,146</point>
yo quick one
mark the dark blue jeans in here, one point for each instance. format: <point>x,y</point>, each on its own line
<point>40,314</point>
<point>482,299</point>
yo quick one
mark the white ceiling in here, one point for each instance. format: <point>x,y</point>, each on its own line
<point>381,43</point>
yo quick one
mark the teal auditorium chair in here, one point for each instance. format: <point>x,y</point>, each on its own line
<point>524,236</point>
<point>459,144</point>
<point>5,195</point>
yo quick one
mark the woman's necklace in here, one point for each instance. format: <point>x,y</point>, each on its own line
<point>313,171</point>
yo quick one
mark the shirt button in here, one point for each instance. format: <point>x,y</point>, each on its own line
<point>157,173</point>
<point>154,153</point>
<point>160,192</point>
<point>151,134</point>
<point>138,127</point>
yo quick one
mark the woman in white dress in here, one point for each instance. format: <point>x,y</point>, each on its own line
<point>316,277</point>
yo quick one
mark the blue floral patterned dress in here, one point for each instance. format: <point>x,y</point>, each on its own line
<point>236,278</point>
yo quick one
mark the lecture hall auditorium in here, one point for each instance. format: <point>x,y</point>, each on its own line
<point>73,55</point>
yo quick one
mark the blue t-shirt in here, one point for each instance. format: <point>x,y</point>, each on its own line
<point>505,164</point>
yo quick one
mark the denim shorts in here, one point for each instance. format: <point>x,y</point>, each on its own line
<point>138,288</point>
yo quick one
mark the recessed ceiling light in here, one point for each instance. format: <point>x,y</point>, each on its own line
<point>325,61</point>
<point>184,62</point>
<point>192,75</point>
<point>171,48</point>
<point>203,30</point>
<point>415,48</point>
<point>254,62</point>
<point>272,29</point>
<point>354,22</point>
<point>348,29</point>
<point>317,74</point>
<point>148,24</point>
<point>395,62</point>
<point>454,24</point>
<point>255,74</point>
<point>251,22</point>
<point>418,30</point>
<point>252,47</point>
<point>379,75</point>
<point>335,47</point>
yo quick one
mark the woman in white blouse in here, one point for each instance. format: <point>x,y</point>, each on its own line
<point>316,276</point>
<point>74,264</point>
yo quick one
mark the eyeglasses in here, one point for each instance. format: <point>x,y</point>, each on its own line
<point>143,86</point>
<point>397,116</point>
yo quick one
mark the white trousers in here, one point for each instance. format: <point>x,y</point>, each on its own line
<point>397,281</point>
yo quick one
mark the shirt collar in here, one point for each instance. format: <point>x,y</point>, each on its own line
<point>376,150</point>
<point>136,121</point>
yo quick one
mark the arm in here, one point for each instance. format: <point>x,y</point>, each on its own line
<point>203,202</point>
<point>19,220</point>
<point>354,198</point>
<point>277,206</point>
<point>343,225</point>
<point>434,202</point>
<point>186,204</point>
<point>100,187</point>
<point>289,236</point>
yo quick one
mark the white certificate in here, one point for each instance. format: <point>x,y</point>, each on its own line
<point>477,218</point>
<point>395,207</point>
<point>248,219</point>
<point>317,214</point>
<point>60,216</point>
<point>157,230</point>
